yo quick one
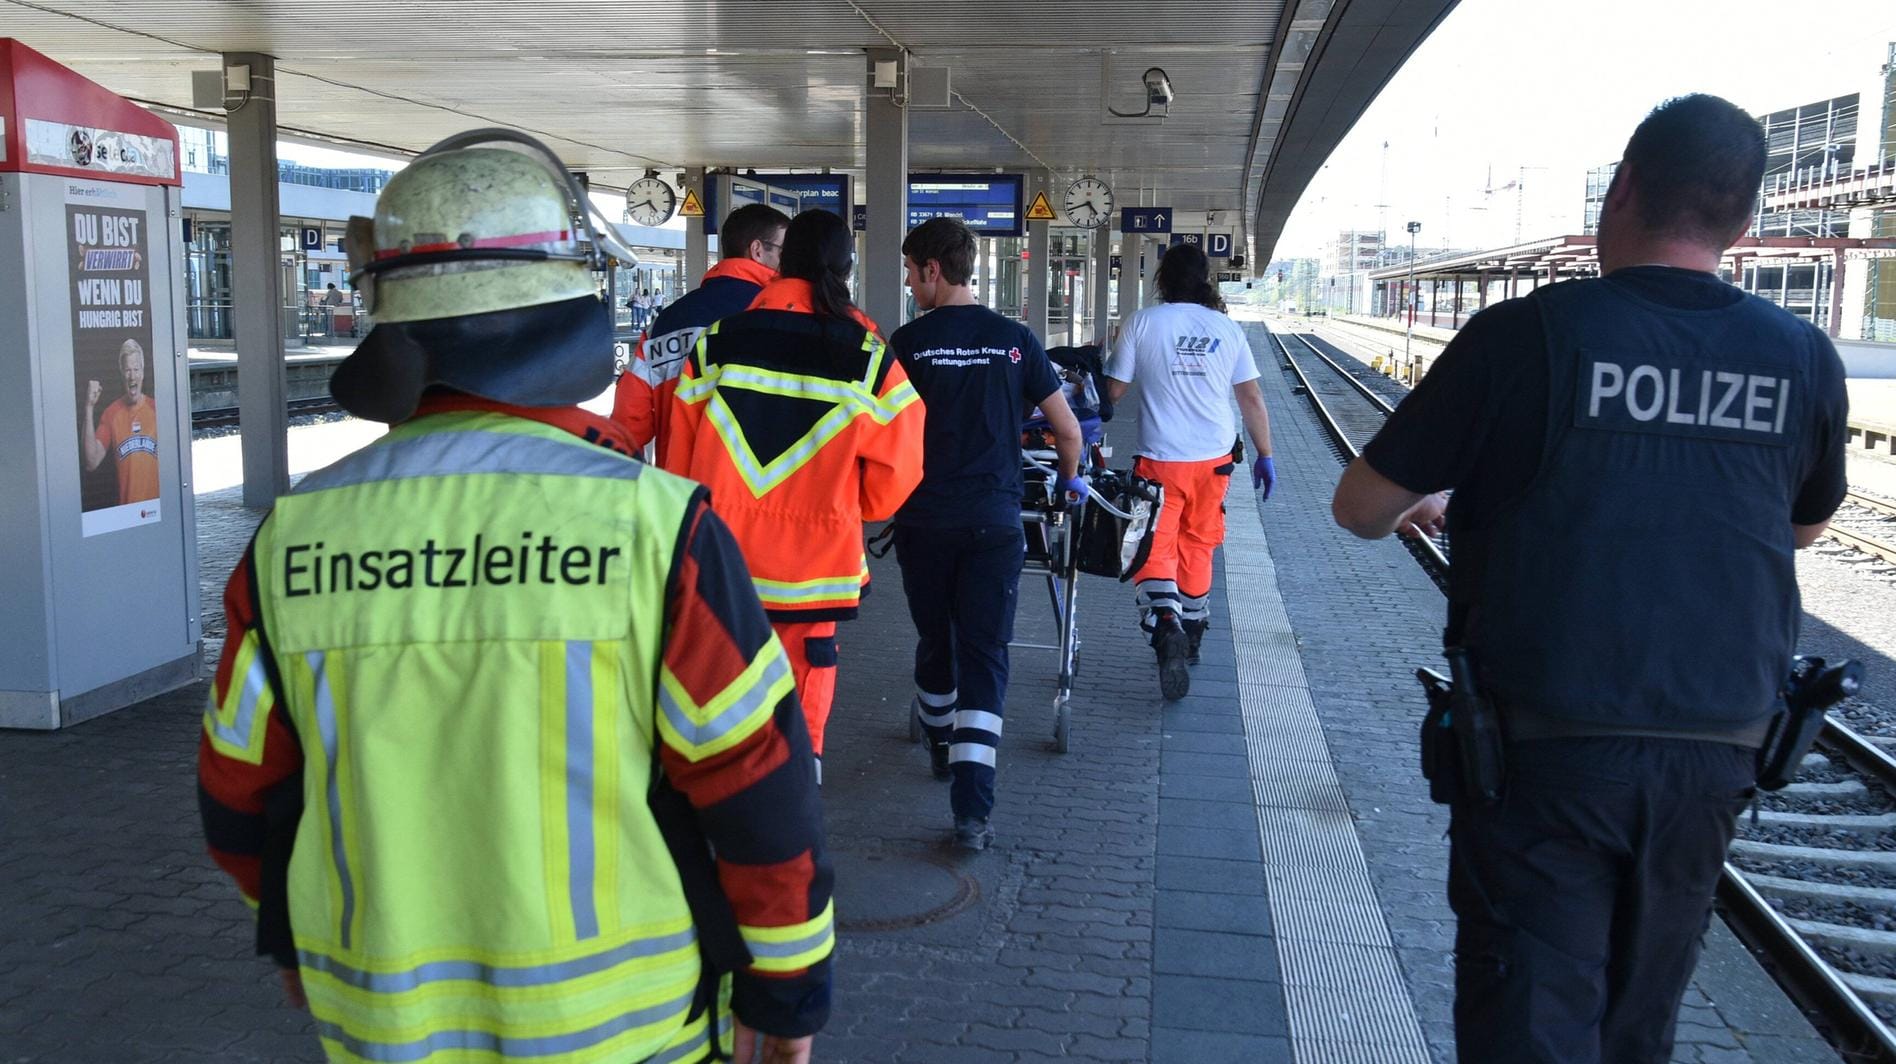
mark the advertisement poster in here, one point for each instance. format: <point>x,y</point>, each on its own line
<point>107,237</point>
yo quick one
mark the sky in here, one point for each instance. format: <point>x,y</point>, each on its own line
<point>1536,92</point>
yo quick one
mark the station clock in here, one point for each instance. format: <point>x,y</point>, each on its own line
<point>650,201</point>
<point>1088,202</point>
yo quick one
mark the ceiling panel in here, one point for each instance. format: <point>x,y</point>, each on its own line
<point>618,86</point>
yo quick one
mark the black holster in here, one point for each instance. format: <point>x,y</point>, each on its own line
<point>1809,690</point>
<point>1461,735</point>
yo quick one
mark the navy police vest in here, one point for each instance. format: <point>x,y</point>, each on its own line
<point>1644,579</point>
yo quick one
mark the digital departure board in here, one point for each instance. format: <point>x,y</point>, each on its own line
<point>989,204</point>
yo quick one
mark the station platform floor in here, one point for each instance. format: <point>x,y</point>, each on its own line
<point>1251,875</point>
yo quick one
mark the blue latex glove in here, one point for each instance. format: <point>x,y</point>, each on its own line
<point>1263,477</point>
<point>1075,489</point>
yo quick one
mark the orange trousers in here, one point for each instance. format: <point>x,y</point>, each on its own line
<point>812,651</point>
<point>1177,574</point>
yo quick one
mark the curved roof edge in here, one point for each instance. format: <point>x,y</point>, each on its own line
<point>1337,71</point>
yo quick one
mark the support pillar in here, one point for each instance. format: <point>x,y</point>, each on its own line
<point>1455,312</point>
<point>1039,267</point>
<point>1102,278</point>
<point>256,260</point>
<point>1129,251</point>
<point>697,244</point>
<point>1483,297</point>
<point>1435,299</point>
<point>1836,293</point>
<point>885,193</point>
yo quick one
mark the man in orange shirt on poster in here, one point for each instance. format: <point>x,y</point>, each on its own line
<point>128,428</point>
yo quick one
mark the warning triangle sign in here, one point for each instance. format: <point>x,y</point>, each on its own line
<point>692,207</point>
<point>1040,210</point>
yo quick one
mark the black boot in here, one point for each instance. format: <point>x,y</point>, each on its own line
<point>1174,646</point>
<point>1195,631</point>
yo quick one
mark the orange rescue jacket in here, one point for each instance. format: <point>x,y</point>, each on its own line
<point>803,427</point>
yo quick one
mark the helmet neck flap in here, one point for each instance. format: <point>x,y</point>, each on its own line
<point>549,354</point>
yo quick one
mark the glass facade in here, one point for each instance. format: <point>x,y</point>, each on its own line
<point>1815,138</point>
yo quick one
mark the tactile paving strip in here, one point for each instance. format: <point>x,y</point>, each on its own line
<point>1343,985</point>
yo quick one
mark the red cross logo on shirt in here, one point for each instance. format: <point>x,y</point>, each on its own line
<point>1013,355</point>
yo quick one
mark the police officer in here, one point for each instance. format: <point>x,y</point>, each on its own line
<point>1634,460</point>
<point>492,689</point>
<point>750,243</point>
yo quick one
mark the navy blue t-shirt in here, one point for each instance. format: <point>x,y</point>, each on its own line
<point>978,373</point>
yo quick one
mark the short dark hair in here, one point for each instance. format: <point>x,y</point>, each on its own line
<point>1184,276</point>
<point>1697,162</point>
<point>753,221</point>
<point>947,241</point>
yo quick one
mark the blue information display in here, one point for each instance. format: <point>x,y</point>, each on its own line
<point>789,193</point>
<point>1218,246</point>
<point>989,204</point>
<point>1196,240</point>
<point>829,192</point>
<point>1145,220</point>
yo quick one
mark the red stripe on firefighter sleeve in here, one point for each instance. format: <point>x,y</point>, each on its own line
<point>231,791</point>
<point>757,800</point>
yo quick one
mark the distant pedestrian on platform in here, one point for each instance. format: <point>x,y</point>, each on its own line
<point>958,538</point>
<point>1634,460</point>
<point>1189,358</point>
<point>751,239</point>
<point>334,297</point>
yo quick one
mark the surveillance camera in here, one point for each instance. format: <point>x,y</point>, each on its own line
<point>1158,88</point>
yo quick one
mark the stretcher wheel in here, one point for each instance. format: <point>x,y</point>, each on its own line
<point>915,724</point>
<point>1062,724</point>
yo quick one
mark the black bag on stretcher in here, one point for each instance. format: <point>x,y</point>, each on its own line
<point>1116,536</point>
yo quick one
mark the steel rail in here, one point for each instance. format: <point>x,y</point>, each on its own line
<point>212,417</point>
<point>1361,389</point>
<point>1430,556</point>
<point>1869,502</point>
<point>1857,749</point>
<point>1882,550</point>
<point>1854,1028</point>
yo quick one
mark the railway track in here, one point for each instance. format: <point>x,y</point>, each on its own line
<point>218,417</point>
<point>1870,526</point>
<point>1812,886</point>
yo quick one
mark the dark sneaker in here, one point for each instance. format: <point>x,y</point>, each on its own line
<point>1195,631</point>
<point>938,761</point>
<point>1174,647</point>
<point>973,833</point>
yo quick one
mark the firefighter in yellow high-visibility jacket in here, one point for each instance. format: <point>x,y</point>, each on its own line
<point>494,692</point>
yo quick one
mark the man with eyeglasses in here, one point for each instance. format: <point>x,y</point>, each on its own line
<point>750,244</point>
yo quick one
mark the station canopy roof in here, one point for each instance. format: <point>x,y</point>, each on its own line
<point>1265,88</point>
<point>1575,255</point>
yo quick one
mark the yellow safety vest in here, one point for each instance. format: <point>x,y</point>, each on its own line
<point>467,618</point>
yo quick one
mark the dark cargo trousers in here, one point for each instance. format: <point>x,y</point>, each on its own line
<point>1582,896</point>
<point>961,585</point>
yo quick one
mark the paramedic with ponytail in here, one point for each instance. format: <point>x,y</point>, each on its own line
<point>1189,358</point>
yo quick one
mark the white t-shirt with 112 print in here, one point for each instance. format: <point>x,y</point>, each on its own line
<point>1186,359</point>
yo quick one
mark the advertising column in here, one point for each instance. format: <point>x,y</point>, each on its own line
<point>98,538</point>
